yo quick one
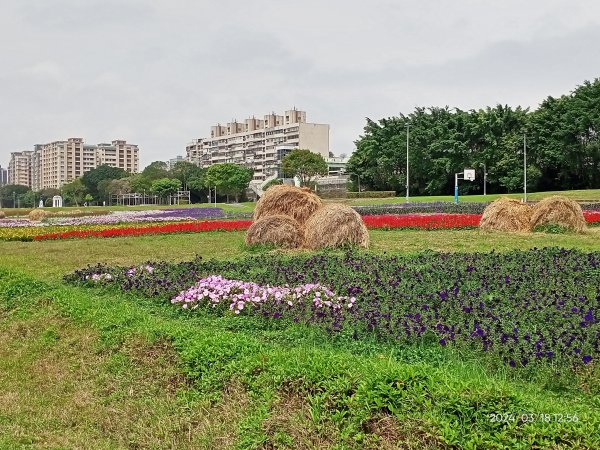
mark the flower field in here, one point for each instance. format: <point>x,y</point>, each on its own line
<point>26,230</point>
<point>523,308</point>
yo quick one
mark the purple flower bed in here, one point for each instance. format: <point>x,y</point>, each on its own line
<point>524,307</point>
<point>19,223</point>
<point>308,302</point>
<point>438,208</point>
<point>159,215</point>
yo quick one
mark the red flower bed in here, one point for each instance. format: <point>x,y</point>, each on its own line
<point>425,221</point>
<point>592,216</point>
<point>420,221</point>
<point>182,227</point>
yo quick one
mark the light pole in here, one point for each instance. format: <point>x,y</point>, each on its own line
<point>525,166</point>
<point>407,165</point>
<point>14,199</point>
<point>484,179</point>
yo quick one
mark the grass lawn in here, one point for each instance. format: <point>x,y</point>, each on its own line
<point>589,195</point>
<point>55,258</point>
<point>113,370</point>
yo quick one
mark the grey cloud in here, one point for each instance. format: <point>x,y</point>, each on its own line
<point>160,73</point>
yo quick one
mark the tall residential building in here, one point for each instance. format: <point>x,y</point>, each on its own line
<point>3,176</point>
<point>56,163</point>
<point>171,162</point>
<point>19,168</point>
<point>260,143</point>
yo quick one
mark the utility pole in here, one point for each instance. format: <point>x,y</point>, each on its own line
<point>407,165</point>
<point>484,179</point>
<point>525,165</point>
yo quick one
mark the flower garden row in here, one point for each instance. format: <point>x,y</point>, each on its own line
<point>525,308</point>
<point>402,221</point>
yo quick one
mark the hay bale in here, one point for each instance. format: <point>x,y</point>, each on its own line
<point>558,210</point>
<point>38,214</point>
<point>299,203</point>
<point>335,225</point>
<point>281,230</point>
<point>506,214</point>
<point>2,215</point>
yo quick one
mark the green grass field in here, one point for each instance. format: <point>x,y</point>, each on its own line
<point>590,195</point>
<point>108,371</point>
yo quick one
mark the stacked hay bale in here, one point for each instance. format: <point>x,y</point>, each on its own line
<point>2,215</point>
<point>281,230</point>
<point>335,225</point>
<point>299,203</point>
<point>38,214</point>
<point>558,210</point>
<point>506,214</point>
<point>292,217</point>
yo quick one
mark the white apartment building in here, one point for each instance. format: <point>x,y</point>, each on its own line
<point>19,168</point>
<point>171,162</point>
<point>56,163</point>
<point>260,143</point>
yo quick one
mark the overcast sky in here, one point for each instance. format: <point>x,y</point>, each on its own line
<point>159,73</point>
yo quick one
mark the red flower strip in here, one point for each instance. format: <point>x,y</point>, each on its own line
<point>425,221</point>
<point>182,227</point>
<point>422,221</point>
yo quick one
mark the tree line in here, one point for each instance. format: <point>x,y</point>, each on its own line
<point>97,185</point>
<point>563,147</point>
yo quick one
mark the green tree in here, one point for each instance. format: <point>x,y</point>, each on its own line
<point>304,164</point>
<point>10,193</point>
<point>165,186</point>
<point>138,183</point>
<point>74,191</point>
<point>92,178</point>
<point>155,171</point>
<point>184,171</point>
<point>229,179</point>
<point>121,186</point>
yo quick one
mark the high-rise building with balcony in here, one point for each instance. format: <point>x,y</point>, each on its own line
<point>260,143</point>
<point>56,163</point>
<point>19,168</point>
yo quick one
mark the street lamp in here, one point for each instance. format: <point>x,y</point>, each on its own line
<point>407,179</point>
<point>14,199</point>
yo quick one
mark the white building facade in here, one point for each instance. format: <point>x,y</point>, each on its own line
<point>260,143</point>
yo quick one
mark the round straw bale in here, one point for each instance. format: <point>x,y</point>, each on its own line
<point>299,203</point>
<point>558,210</point>
<point>506,214</point>
<point>281,230</point>
<point>38,214</point>
<point>2,215</point>
<point>335,225</point>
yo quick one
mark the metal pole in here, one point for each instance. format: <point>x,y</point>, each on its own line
<point>455,188</point>
<point>484,179</point>
<point>215,196</point>
<point>407,165</point>
<point>525,166</point>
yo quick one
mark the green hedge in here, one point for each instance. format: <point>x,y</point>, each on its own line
<point>372,194</point>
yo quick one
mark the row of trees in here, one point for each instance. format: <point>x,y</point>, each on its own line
<point>563,146</point>
<point>99,184</point>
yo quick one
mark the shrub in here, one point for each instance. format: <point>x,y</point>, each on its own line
<point>372,194</point>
